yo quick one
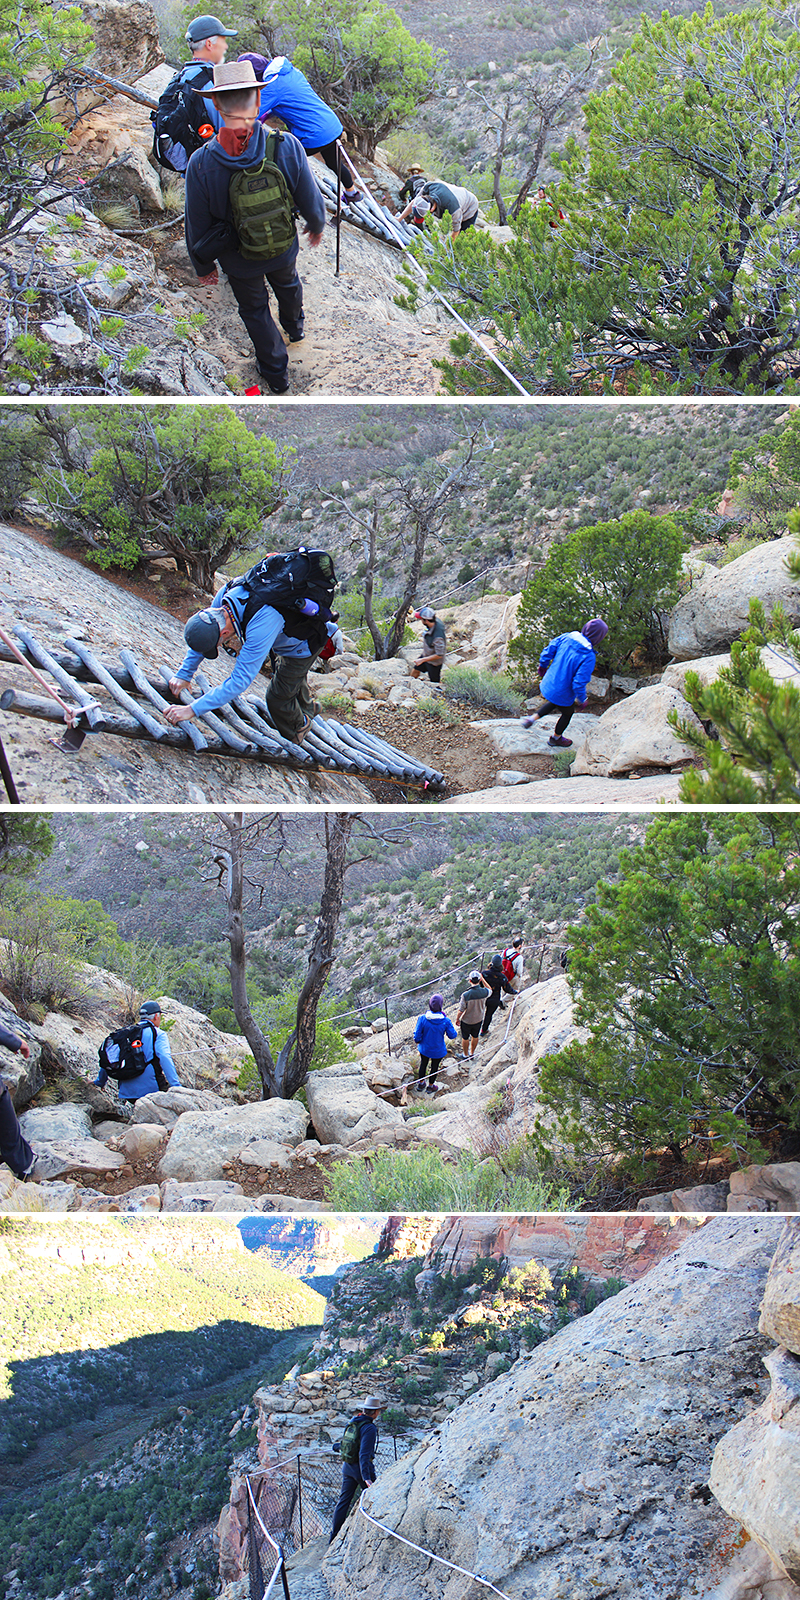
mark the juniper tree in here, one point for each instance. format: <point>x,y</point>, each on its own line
<point>686,978</point>
<point>191,482</point>
<point>677,266</point>
<point>753,754</point>
<point>625,571</point>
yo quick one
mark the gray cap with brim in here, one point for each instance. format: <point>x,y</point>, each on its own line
<point>209,28</point>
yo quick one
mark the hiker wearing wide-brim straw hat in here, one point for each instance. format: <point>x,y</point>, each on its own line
<point>414,182</point>
<point>230,76</point>
<point>358,1446</point>
<point>241,214</point>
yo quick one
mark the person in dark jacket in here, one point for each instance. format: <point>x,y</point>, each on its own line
<point>287,93</point>
<point>361,1476</point>
<point>14,1148</point>
<point>241,143</point>
<point>433,1027</point>
<point>413,184</point>
<point>499,985</point>
<point>565,667</point>
<point>434,646</point>
<point>155,1043</point>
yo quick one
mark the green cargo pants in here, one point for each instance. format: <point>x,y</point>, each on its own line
<point>289,700</point>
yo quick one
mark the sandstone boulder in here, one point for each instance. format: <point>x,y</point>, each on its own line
<point>780,1308</point>
<point>582,1471</point>
<point>197,1198</point>
<point>62,1122</point>
<point>22,1078</point>
<point>716,612</point>
<point>126,37</point>
<point>343,1109</point>
<point>635,733</point>
<point>775,1187</point>
<point>510,738</point>
<point>707,668</point>
<point>168,1105</point>
<point>201,1142</point>
<point>141,1140</point>
<point>756,1466</point>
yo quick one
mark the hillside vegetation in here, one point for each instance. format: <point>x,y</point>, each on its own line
<point>453,888</point>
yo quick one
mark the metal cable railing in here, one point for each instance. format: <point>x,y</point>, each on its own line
<point>430,1554</point>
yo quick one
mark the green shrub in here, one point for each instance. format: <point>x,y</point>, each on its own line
<point>492,689</point>
<point>422,1180</point>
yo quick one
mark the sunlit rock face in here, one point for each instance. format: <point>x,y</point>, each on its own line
<point>584,1470</point>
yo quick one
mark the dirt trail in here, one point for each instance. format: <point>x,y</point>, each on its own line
<point>357,341</point>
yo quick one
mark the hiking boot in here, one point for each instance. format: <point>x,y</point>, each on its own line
<point>276,382</point>
<point>296,333</point>
<point>527,722</point>
<point>559,740</point>
<point>351,197</point>
<point>44,1169</point>
<point>300,733</point>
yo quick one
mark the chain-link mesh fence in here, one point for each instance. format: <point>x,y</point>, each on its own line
<point>296,1499</point>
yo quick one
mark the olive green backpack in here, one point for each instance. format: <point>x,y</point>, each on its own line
<point>263,207</point>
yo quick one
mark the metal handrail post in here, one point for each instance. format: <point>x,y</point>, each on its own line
<point>300,1498</point>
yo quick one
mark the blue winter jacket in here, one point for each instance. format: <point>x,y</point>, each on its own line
<point>147,1082</point>
<point>570,660</point>
<point>264,633</point>
<point>289,95</point>
<point>208,204</point>
<point>433,1027</point>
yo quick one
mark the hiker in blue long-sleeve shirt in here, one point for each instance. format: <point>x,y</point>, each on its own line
<point>223,623</point>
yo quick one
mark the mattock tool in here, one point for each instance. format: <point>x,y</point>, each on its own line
<point>74,734</point>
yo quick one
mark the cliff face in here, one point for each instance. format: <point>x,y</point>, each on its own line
<point>599,1246</point>
<point>583,1471</point>
<point>756,1469</point>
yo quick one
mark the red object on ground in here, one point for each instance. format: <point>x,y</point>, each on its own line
<point>255,390</point>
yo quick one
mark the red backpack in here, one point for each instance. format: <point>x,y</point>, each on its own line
<point>508,963</point>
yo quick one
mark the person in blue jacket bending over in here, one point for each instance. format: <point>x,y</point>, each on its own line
<point>155,1044</point>
<point>565,667</point>
<point>433,1027</point>
<point>287,93</point>
<point>223,623</point>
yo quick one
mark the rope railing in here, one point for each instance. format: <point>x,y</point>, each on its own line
<point>431,1554</point>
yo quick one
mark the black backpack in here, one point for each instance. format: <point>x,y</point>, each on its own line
<point>180,114</point>
<point>285,581</point>
<point>122,1054</point>
<point>263,207</point>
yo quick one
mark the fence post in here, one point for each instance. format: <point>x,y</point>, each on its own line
<point>300,1499</point>
<point>284,1579</point>
<point>541,963</point>
<point>394,1442</point>
<point>388,1031</point>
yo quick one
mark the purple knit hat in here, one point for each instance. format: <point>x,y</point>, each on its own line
<point>595,630</point>
<point>259,63</point>
<point>437,1002</point>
